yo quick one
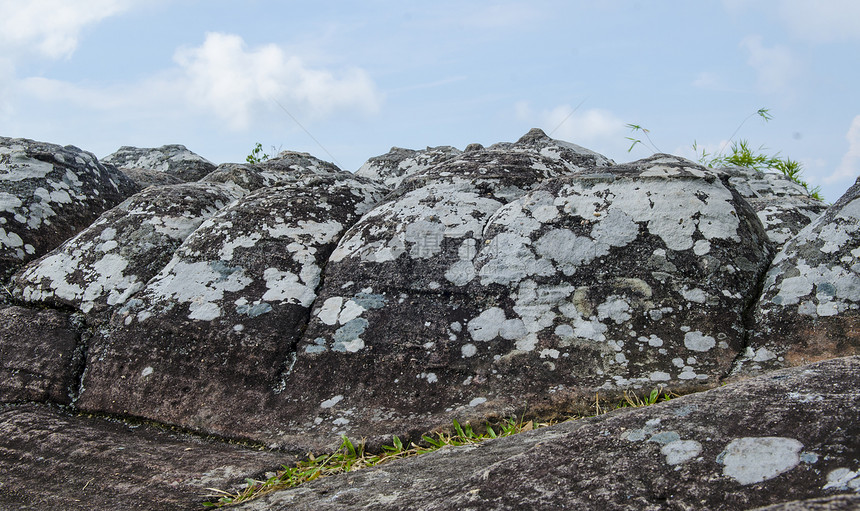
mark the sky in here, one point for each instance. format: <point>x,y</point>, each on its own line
<point>346,81</point>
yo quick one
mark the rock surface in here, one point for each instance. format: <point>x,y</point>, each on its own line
<point>790,435</point>
<point>398,164</point>
<point>173,159</point>
<point>49,193</point>
<point>50,459</point>
<point>810,307</point>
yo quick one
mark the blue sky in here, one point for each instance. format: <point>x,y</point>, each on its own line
<point>361,77</point>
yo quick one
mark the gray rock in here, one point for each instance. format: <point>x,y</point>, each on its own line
<point>103,266</point>
<point>204,344</point>
<point>847,502</point>
<point>809,309</point>
<point>41,358</point>
<point>147,177</point>
<point>288,166</point>
<point>174,159</point>
<point>49,193</point>
<point>50,459</point>
<point>397,164</point>
<point>783,206</point>
<point>786,436</point>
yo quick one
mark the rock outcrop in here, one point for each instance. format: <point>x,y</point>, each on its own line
<point>48,194</point>
<point>287,303</point>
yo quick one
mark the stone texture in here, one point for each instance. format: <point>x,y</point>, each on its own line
<point>50,459</point>
<point>790,435</point>
<point>49,193</point>
<point>147,177</point>
<point>288,166</point>
<point>846,502</point>
<point>810,306</point>
<point>205,343</point>
<point>173,159</point>
<point>100,268</point>
<point>41,358</point>
<point>398,164</point>
<point>783,206</point>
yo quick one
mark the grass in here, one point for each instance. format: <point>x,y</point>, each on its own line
<point>351,456</point>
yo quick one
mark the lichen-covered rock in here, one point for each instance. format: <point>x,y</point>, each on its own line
<point>810,307</point>
<point>172,159</point>
<point>108,262</point>
<point>205,342</point>
<point>456,297</point>
<point>790,435</point>
<point>397,164</point>
<point>41,358</point>
<point>844,502</point>
<point>288,166</point>
<point>49,193</point>
<point>783,206</point>
<point>51,459</point>
<point>148,177</point>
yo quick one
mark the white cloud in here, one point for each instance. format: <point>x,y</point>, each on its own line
<point>822,20</point>
<point>849,168</point>
<point>776,68</point>
<point>231,80</point>
<point>596,129</point>
<point>51,27</point>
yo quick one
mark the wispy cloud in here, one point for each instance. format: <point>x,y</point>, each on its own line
<point>823,20</point>
<point>594,128</point>
<point>849,167</point>
<point>776,68</point>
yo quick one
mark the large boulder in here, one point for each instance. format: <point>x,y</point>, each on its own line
<point>809,308</point>
<point>173,159</point>
<point>51,459</point>
<point>458,299</point>
<point>41,355</point>
<point>289,166</point>
<point>111,260</point>
<point>398,164</point>
<point>206,342</point>
<point>48,193</point>
<point>787,436</point>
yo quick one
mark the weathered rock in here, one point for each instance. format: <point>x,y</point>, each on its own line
<point>397,164</point>
<point>148,177</point>
<point>445,301</point>
<point>204,344</point>
<point>844,502</point>
<point>288,166</point>
<point>41,358</point>
<point>100,268</point>
<point>172,159</point>
<point>49,193</point>
<point>50,459</point>
<point>783,206</point>
<point>809,309</point>
<point>786,436</point>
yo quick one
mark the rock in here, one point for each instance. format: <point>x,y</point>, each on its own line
<point>783,206</point>
<point>835,503</point>
<point>205,343</point>
<point>789,435</point>
<point>173,159</point>
<point>41,358</point>
<point>148,177</point>
<point>468,297</point>
<point>809,308</point>
<point>48,194</point>
<point>397,164</point>
<point>50,459</point>
<point>288,166</point>
<point>107,263</point>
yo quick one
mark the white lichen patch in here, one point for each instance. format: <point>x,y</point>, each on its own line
<point>752,460</point>
<point>329,403</point>
<point>681,451</point>
<point>697,341</point>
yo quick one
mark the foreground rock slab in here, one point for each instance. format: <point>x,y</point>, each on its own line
<point>787,436</point>
<point>52,460</point>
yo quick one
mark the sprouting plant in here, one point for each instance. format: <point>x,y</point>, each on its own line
<point>257,155</point>
<point>636,127</point>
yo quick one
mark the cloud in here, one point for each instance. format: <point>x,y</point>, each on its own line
<point>592,128</point>
<point>51,27</point>
<point>776,68</point>
<point>224,76</point>
<point>822,20</point>
<point>849,168</point>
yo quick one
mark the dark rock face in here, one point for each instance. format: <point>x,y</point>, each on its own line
<point>204,344</point>
<point>810,307</point>
<point>288,166</point>
<point>173,159</point>
<point>49,193</point>
<point>100,268</point>
<point>834,503</point>
<point>50,459</point>
<point>147,177</point>
<point>40,356</point>
<point>786,436</point>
